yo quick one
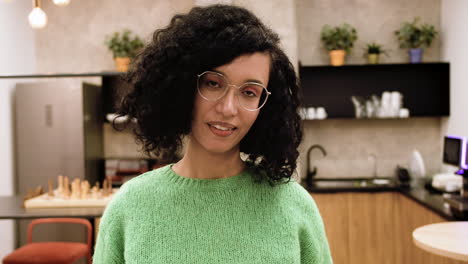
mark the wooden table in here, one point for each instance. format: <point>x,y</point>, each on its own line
<point>449,239</point>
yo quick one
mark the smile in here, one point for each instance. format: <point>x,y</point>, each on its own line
<point>221,129</point>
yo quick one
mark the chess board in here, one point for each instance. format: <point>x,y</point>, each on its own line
<point>45,201</point>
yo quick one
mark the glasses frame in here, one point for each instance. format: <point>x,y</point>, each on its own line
<point>268,93</point>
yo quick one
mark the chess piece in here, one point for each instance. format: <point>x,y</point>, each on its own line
<point>50,191</point>
<point>74,190</point>
<point>76,193</point>
<point>38,191</point>
<point>84,189</point>
<point>95,192</point>
<point>109,185</point>
<point>33,193</point>
<point>60,185</point>
<point>66,187</point>
<point>104,188</point>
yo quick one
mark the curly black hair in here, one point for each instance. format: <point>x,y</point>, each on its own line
<point>164,85</point>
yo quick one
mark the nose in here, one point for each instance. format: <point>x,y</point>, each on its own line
<point>228,105</point>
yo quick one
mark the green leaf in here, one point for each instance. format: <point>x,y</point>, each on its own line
<point>339,37</point>
<point>410,35</point>
<point>122,44</point>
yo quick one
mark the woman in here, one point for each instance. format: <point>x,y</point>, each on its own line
<point>217,76</point>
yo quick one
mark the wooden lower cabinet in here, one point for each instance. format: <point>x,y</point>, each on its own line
<point>375,228</point>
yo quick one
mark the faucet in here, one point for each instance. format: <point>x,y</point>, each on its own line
<point>311,174</point>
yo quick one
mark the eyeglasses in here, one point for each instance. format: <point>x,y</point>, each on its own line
<point>212,86</point>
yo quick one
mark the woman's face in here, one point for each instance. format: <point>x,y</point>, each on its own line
<point>219,126</point>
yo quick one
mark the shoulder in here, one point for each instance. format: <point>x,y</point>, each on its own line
<point>296,198</point>
<point>134,191</point>
<point>294,192</point>
<point>147,179</point>
<point>142,184</point>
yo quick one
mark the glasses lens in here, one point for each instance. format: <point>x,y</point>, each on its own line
<point>212,86</point>
<point>252,96</point>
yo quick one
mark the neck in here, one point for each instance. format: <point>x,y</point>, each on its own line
<point>201,164</point>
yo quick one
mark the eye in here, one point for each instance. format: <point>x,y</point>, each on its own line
<point>212,84</point>
<point>249,93</point>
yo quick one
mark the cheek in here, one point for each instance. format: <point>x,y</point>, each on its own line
<point>198,109</point>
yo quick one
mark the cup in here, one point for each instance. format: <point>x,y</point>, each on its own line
<point>404,113</point>
<point>386,98</point>
<point>395,98</point>
<point>311,113</point>
<point>320,113</point>
<point>303,113</point>
<point>359,108</point>
<point>396,103</point>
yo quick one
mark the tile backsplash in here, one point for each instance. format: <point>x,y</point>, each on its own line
<point>368,148</point>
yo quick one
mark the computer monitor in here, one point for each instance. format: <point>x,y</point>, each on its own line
<point>465,156</point>
<point>454,150</point>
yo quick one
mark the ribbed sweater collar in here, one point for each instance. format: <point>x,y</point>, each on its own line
<point>233,182</point>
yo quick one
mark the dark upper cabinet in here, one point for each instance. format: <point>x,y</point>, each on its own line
<point>425,87</point>
<point>114,89</point>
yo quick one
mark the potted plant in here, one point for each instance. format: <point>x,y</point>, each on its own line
<point>415,38</point>
<point>338,41</point>
<point>373,50</point>
<point>123,47</point>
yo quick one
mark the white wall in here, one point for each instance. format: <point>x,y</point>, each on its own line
<point>17,53</point>
<point>454,43</point>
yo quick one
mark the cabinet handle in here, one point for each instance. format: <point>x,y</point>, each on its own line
<point>48,115</point>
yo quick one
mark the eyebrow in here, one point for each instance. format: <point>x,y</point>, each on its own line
<point>246,81</point>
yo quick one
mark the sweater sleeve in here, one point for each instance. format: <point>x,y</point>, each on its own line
<point>110,240</point>
<point>312,236</point>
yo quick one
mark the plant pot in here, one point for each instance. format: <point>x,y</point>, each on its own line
<point>337,57</point>
<point>415,55</point>
<point>122,63</point>
<point>373,58</point>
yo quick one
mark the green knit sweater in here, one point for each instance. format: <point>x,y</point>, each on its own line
<point>161,217</point>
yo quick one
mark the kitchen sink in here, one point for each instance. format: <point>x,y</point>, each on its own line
<point>354,184</point>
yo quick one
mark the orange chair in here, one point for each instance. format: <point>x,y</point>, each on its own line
<point>52,252</point>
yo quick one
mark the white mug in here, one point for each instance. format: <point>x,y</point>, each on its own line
<point>321,113</point>
<point>311,113</point>
<point>404,113</point>
<point>303,113</point>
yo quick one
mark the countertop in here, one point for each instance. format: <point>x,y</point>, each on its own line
<point>11,208</point>
<point>429,199</point>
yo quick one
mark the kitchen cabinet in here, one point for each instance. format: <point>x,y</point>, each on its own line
<point>114,89</point>
<point>425,86</point>
<point>375,227</point>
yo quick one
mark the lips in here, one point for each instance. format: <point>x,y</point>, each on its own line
<point>222,126</point>
<point>221,129</point>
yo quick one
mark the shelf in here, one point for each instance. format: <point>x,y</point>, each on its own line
<point>425,86</point>
<point>59,75</point>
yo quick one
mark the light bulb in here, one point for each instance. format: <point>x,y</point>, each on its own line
<point>37,18</point>
<point>61,2</point>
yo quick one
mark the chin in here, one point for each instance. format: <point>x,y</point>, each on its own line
<point>221,148</point>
